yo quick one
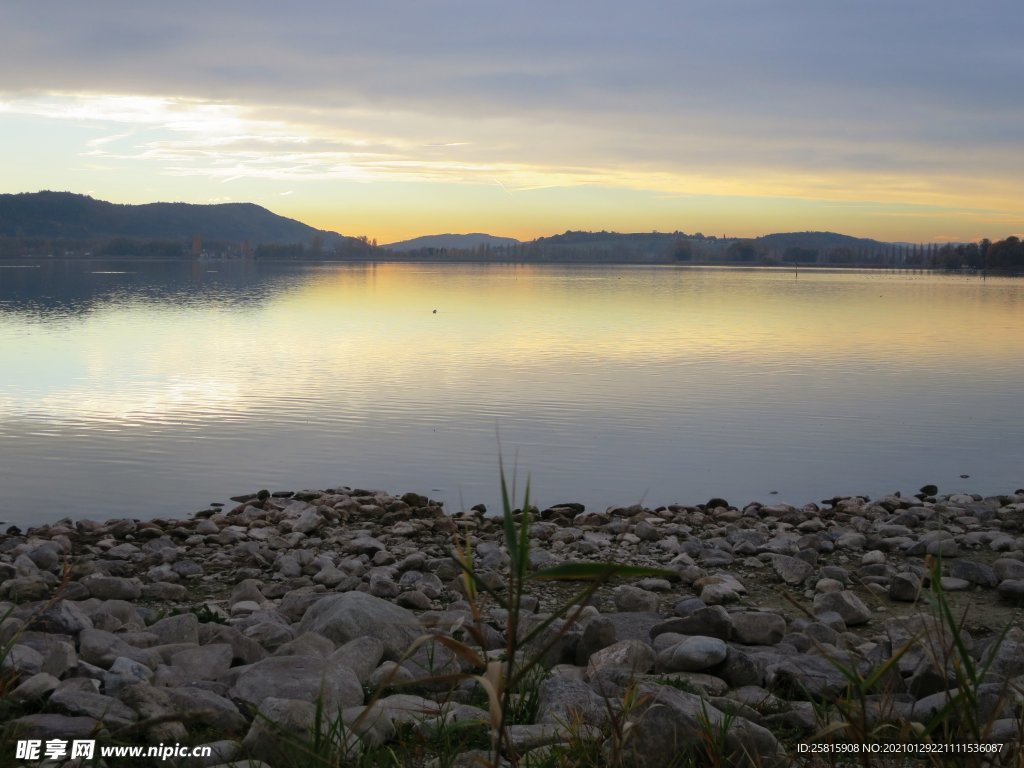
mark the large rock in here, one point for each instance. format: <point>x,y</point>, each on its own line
<point>275,728</point>
<point>305,678</point>
<point>563,700</point>
<point>630,598</point>
<point>668,721</point>
<point>758,627</point>
<point>792,570</point>
<point>49,726</point>
<point>112,587</point>
<point>850,607</point>
<point>353,615</point>
<point>101,648</point>
<point>633,655</point>
<point>694,654</point>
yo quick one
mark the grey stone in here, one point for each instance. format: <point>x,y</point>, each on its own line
<point>298,677</point>
<point>634,655</point>
<point>269,634</point>
<point>355,614</point>
<point>362,656</point>
<point>274,730</point>
<point>712,621</point>
<point>846,604</point>
<point>199,705</point>
<point>694,654</point>
<point>792,570</point>
<point>758,627</point>
<point>1012,591</point>
<point>123,672</point>
<point>667,721</point>
<point>23,659</point>
<point>630,598</point>
<point>48,726</point>
<point>207,662</point>
<point>561,700</point>
<point>60,659</point>
<point>153,705</point>
<point>597,633</point>
<point>64,617</point>
<point>183,628</point>
<point>106,709</point>
<point>805,676</point>
<point>976,573</point>
<point>101,648</point>
<point>112,587</point>
<point>1008,568</point>
<point>905,587</point>
<point>35,688</point>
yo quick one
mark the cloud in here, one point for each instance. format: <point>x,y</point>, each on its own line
<point>911,101</point>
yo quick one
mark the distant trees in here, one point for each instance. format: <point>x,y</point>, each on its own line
<point>1006,254</point>
<point>798,255</point>
<point>682,250</point>
<point>743,250</point>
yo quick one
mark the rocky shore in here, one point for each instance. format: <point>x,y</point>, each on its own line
<point>211,630</point>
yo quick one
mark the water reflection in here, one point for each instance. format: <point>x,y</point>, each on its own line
<point>153,388</point>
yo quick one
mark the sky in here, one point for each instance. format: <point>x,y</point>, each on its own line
<point>894,119</point>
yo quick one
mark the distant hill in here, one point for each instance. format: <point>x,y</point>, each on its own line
<point>819,241</point>
<point>461,242</point>
<point>65,215</point>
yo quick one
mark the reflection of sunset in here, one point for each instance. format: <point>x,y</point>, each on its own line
<point>370,331</point>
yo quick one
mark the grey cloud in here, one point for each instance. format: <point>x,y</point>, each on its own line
<point>791,82</point>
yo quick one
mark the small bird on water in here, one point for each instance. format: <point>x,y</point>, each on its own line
<point>435,311</point>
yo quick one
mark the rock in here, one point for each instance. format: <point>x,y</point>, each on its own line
<point>207,662</point>
<point>101,648</point>
<point>298,677</point>
<point>352,615</point>
<point>112,587</point>
<point>35,688</point>
<point>23,659</point>
<point>1012,591</point>
<point>199,705</point>
<point>905,587</point>
<point>362,656</point>
<point>976,573</point>
<point>758,627</point>
<point>274,730</point>
<point>561,700</point>
<point>64,617</point>
<point>630,598</point>
<point>177,629</point>
<point>846,604</point>
<point>633,655</point>
<point>694,654</point>
<point>1008,568</point>
<point>713,621</point>
<point>804,676</point>
<point>792,570</point>
<point>720,588</point>
<point>105,709</point>
<point>666,719</point>
<point>124,672</point>
<point>49,726</point>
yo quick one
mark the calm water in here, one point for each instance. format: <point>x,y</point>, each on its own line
<point>153,389</point>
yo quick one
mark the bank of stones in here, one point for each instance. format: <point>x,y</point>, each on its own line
<point>247,616</point>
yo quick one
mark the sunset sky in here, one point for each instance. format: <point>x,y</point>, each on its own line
<point>896,120</point>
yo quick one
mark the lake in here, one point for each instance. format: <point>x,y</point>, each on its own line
<point>150,389</point>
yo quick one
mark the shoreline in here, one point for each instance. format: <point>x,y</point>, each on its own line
<point>223,611</point>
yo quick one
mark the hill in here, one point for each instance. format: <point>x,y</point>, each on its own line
<point>460,242</point>
<point>818,241</point>
<point>65,215</point>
